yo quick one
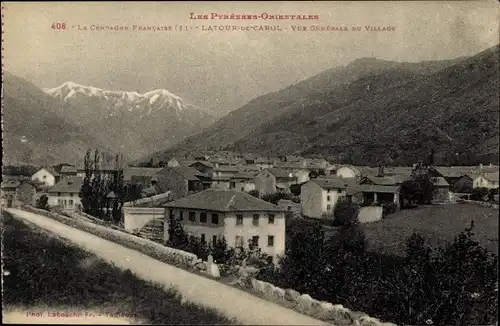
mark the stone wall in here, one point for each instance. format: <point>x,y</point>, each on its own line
<point>482,203</point>
<point>369,214</point>
<point>303,303</point>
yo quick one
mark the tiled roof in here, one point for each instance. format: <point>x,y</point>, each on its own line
<point>491,176</point>
<point>332,182</point>
<point>71,185</point>
<point>206,163</point>
<point>280,173</point>
<point>441,182</point>
<point>224,201</point>
<point>220,178</point>
<point>187,163</point>
<point>245,175</point>
<point>10,184</point>
<point>389,180</point>
<point>128,173</point>
<point>188,173</point>
<point>153,201</point>
<point>68,169</point>
<point>373,188</point>
<point>51,170</point>
<point>227,168</point>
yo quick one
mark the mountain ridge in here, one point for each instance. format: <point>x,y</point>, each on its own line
<point>303,115</point>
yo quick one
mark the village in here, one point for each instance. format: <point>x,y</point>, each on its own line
<point>220,193</point>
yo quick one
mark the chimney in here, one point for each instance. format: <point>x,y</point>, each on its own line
<point>380,171</point>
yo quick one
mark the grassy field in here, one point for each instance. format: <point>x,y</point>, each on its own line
<point>46,272</point>
<point>438,223</point>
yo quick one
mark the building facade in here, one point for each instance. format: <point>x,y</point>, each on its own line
<point>241,218</point>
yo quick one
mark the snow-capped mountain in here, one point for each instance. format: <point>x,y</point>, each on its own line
<point>137,123</point>
<point>131,101</point>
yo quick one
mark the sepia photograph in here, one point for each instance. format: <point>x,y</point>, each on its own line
<point>250,162</point>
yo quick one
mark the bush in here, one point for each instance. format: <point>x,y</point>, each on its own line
<point>254,193</point>
<point>454,286</point>
<point>43,203</point>
<point>345,213</point>
<point>277,196</point>
<point>479,194</point>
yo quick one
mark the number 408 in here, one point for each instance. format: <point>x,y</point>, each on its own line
<point>59,26</point>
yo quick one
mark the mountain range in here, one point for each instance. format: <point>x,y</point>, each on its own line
<point>371,112</point>
<point>51,125</point>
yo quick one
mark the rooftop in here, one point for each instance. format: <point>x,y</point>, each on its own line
<point>71,185</point>
<point>190,174</point>
<point>332,182</point>
<point>224,201</point>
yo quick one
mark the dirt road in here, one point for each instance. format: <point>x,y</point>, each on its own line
<point>234,303</point>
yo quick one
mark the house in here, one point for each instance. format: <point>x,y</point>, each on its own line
<point>388,180</point>
<point>348,172</point>
<point>241,218</point>
<point>249,158</point>
<point>180,181</point>
<point>65,193</point>
<point>26,194</point>
<point>486,180</point>
<point>442,190</point>
<point>9,193</point>
<point>146,177</point>
<point>319,196</point>
<point>203,166</point>
<point>137,214</point>
<point>243,181</point>
<point>464,184</point>
<point>68,171</point>
<point>269,181</point>
<point>221,182</point>
<point>46,176</point>
<point>225,171</point>
<point>377,194</point>
<point>264,163</point>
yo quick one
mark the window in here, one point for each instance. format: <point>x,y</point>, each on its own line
<point>203,217</point>
<point>327,198</point>
<point>328,207</point>
<point>269,259</point>
<point>181,215</point>
<point>203,237</point>
<point>215,218</point>
<point>270,240</point>
<point>255,220</point>
<point>192,216</point>
<point>238,243</point>
<point>239,219</point>
<point>255,241</point>
<point>59,194</point>
<point>289,208</point>
<point>71,202</point>
<point>171,213</point>
<point>243,188</point>
<point>45,177</point>
<point>232,185</point>
<point>271,218</point>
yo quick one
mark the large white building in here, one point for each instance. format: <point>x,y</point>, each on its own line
<point>486,180</point>
<point>65,194</point>
<point>319,196</point>
<point>46,176</point>
<point>239,217</point>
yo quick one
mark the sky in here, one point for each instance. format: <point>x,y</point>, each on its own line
<point>223,70</point>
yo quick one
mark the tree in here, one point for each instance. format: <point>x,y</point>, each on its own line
<point>274,198</point>
<point>479,194</point>
<point>345,213</point>
<point>177,236</point>
<point>420,188</point>
<point>43,202</point>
